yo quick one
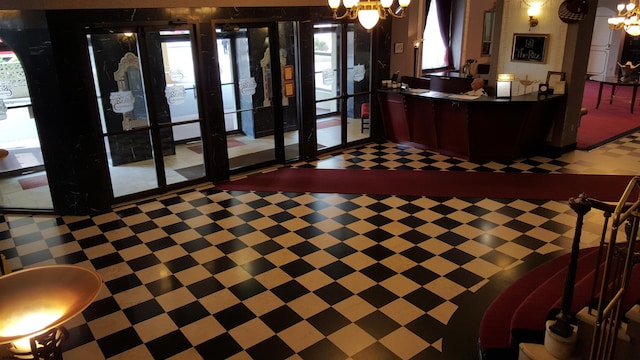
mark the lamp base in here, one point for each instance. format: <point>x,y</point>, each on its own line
<point>45,346</point>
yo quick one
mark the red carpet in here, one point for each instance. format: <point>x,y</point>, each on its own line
<point>230,143</point>
<point>328,123</point>
<point>436,183</point>
<point>33,182</point>
<point>233,143</point>
<point>609,121</point>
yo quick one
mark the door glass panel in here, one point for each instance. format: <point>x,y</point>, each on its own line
<point>133,175</point>
<point>342,83</point>
<point>185,162</point>
<point>327,69</point>
<point>227,77</point>
<point>23,180</point>
<point>328,125</point>
<point>145,111</point>
<point>245,70</point>
<point>358,82</point>
<point>359,120</point>
<point>122,100</point>
<point>288,61</point>
<point>180,137</point>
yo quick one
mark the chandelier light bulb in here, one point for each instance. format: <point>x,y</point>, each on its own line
<point>350,3</point>
<point>633,30</point>
<point>368,18</point>
<point>404,3</point>
<point>334,4</point>
<point>386,3</point>
<point>627,18</point>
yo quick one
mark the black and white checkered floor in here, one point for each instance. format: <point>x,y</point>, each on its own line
<point>215,274</point>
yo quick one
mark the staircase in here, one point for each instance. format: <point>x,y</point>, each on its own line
<point>552,311</point>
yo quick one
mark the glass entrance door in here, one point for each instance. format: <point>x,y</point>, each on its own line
<point>342,62</point>
<point>249,98</point>
<point>146,87</point>
<point>23,180</point>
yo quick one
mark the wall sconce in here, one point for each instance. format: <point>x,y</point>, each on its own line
<point>368,12</point>
<point>532,12</point>
<point>416,50</point>
<point>36,302</point>
<point>503,85</point>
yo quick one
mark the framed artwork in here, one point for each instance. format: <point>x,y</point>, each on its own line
<point>554,77</point>
<point>398,48</point>
<point>289,89</point>
<point>558,88</point>
<point>530,48</point>
<point>288,72</point>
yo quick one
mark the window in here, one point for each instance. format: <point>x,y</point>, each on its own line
<point>434,51</point>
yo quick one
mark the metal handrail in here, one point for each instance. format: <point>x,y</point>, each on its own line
<point>609,311</point>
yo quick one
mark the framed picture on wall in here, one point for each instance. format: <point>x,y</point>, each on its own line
<point>554,77</point>
<point>289,89</point>
<point>288,72</point>
<point>398,48</point>
<point>530,48</point>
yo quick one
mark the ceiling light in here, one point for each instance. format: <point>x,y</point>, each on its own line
<point>368,12</point>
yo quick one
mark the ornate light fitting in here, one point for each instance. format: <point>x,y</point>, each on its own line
<point>628,18</point>
<point>368,12</point>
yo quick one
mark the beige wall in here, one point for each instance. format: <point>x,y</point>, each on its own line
<point>411,28</point>
<point>514,21</point>
<point>405,31</point>
<point>473,29</point>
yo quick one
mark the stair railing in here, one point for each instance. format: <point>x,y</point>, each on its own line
<point>581,205</point>
<point>562,326</point>
<point>609,312</point>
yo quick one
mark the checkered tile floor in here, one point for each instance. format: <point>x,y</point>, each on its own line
<point>215,274</point>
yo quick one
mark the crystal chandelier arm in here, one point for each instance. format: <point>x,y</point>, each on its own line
<point>400,14</point>
<point>348,13</point>
<point>351,9</point>
<point>627,18</point>
<point>368,12</point>
<point>627,10</point>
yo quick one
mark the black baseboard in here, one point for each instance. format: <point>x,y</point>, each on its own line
<point>555,151</point>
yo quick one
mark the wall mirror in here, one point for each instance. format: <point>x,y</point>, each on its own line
<point>487,32</point>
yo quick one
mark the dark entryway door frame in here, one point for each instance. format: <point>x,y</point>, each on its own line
<point>154,76</point>
<point>275,83</point>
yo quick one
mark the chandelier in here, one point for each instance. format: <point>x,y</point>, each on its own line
<point>368,12</point>
<point>627,19</point>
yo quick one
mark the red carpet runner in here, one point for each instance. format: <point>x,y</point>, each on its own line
<point>609,121</point>
<point>436,183</point>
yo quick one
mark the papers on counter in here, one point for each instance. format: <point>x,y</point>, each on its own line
<point>416,91</point>
<point>463,96</point>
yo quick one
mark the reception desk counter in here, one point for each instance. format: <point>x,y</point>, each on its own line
<point>481,129</point>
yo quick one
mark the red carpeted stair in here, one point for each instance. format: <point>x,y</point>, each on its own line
<point>519,313</point>
<point>528,320</point>
<point>495,326</point>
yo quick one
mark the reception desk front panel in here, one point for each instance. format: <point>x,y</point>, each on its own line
<point>481,130</point>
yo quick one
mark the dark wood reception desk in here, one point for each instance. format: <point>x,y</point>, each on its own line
<point>481,130</point>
